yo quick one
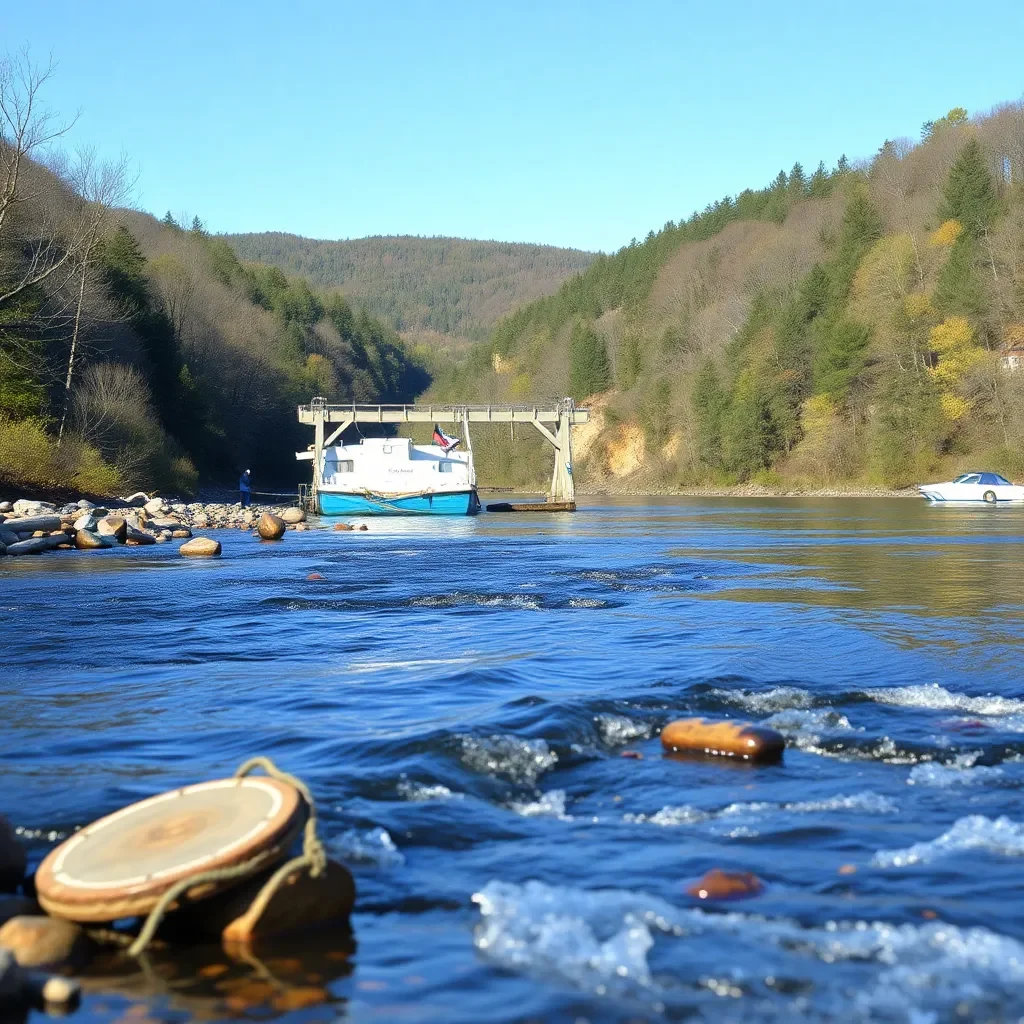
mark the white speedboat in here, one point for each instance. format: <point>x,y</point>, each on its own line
<point>973,489</point>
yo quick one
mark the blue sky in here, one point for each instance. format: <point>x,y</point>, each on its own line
<point>567,122</point>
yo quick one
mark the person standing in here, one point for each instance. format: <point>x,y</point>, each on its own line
<point>245,489</point>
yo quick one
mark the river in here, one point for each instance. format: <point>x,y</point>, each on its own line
<point>458,693</point>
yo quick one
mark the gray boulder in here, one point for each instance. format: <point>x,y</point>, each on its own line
<point>30,524</point>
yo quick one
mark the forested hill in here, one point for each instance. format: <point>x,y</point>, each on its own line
<point>136,353</point>
<point>862,324</point>
<point>454,287</point>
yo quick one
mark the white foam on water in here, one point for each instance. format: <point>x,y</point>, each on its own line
<point>418,792</point>
<point>519,760</point>
<point>975,832</point>
<point>682,814</point>
<point>806,729</point>
<point>459,598</point>
<point>670,817</point>
<point>958,772</point>
<point>618,729</point>
<point>587,602</point>
<point>373,847</point>
<point>548,805</point>
<point>764,702</point>
<point>937,698</point>
<point>599,941</point>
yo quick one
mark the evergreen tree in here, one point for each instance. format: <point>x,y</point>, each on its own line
<point>169,221</point>
<point>797,180</point>
<point>969,195</point>
<point>589,372</point>
<point>820,186</point>
<point>710,404</point>
<point>197,226</point>
<point>843,166</point>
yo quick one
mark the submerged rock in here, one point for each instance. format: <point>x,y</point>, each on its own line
<point>726,885</point>
<point>200,547</point>
<point>271,527</point>
<point>42,941</point>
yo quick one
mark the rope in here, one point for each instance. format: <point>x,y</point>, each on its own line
<point>313,857</point>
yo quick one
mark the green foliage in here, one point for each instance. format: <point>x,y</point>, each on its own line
<point>453,286</point>
<point>710,404</point>
<point>589,372</point>
<point>959,289</point>
<point>970,194</point>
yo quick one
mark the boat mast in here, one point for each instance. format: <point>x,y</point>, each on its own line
<point>469,447</point>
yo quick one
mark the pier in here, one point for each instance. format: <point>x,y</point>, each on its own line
<point>553,421</point>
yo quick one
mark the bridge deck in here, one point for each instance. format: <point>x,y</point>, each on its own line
<point>310,414</point>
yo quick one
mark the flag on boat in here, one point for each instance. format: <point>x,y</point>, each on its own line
<point>443,440</point>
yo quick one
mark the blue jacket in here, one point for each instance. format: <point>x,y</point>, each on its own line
<point>243,482</point>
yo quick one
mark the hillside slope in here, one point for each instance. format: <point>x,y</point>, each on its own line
<point>453,287</point>
<point>135,353</point>
<point>853,327</point>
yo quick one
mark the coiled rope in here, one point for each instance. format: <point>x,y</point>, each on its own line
<point>313,857</point>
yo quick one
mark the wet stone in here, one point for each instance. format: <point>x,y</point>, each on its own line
<point>200,547</point>
<point>726,885</point>
<point>41,941</point>
<point>113,526</point>
<point>293,515</point>
<point>270,527</point>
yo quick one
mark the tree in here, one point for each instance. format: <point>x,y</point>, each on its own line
<point>26,128</point>
<point>99,187</point>
<point>819,185</point>
<point>797,180</point>
<point>589,372</point>
<point>969,195</point>
<point>710,404</point>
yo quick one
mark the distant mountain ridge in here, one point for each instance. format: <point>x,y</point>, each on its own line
<point>453,286</point>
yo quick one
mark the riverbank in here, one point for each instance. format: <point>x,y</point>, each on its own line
<point>29,526</point>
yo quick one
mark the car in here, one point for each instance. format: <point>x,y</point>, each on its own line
<point>974,488</point>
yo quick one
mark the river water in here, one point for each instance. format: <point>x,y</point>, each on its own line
<point>459,694</point>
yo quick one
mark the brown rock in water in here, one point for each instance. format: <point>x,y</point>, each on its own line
<point>113,526</point>
<point>12,858</point>
<point>343,526</point>
<point>182,533</point>
<point>293,515</point>
<point>314,576</point>
<point>726,885</point>
<point>85,540</point>
<point>364,527</point>
<point>270,527</point>
<point>300,903</point>
<point>44,941</point>
<point>723,739</point>
<point>200,547</point>
<point>139,537</point>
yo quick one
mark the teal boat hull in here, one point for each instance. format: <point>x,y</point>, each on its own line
<point>454,503</point>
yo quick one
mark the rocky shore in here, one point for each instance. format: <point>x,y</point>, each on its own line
<point>30,527</point>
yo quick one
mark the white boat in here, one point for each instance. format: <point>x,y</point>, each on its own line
<point>973,488</point>
<point>393,476</point>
